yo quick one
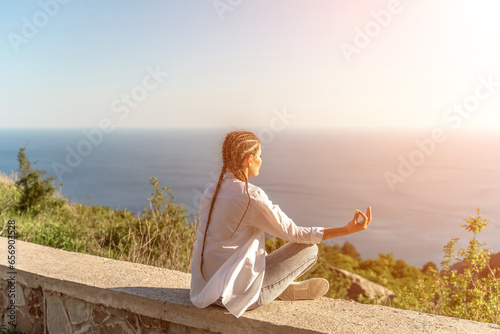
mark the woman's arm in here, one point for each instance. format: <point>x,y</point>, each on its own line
<point>351,227</point>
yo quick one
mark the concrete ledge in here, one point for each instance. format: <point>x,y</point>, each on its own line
<point>87,293</point>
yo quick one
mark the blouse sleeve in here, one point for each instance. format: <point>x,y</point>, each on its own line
<point>269,218</point>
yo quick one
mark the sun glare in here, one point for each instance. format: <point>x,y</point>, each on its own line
<point>485,13</point>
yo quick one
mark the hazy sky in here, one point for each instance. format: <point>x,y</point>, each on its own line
<point>237,63</point>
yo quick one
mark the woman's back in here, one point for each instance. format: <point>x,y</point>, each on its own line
<point>224,236</point>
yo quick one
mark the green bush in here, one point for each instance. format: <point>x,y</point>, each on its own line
<point>36,191</point>
<point>472,293</point>
<point>161,235</point>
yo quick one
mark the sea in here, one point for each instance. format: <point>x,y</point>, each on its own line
<point>420,184</point>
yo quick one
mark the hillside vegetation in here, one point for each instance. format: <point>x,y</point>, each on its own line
<point>162,236</point>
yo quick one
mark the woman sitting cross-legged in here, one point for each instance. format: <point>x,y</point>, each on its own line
<point>230,266</point>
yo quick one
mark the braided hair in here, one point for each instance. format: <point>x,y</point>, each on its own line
<point>237,146</point>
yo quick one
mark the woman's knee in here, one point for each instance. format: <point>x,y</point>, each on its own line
<point>312,250</point>
<point>309,252</point>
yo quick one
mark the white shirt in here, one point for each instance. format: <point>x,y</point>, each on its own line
<point>234,266</point>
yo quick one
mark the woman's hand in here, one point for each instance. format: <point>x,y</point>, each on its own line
<point>353,226</point>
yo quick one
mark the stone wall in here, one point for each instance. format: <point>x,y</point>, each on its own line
<point>39,311</point>
<point>64,292</point>
<point>29,307</point>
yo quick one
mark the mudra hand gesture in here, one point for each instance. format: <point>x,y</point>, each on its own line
<point>356,225</point>
<point>351,227</point>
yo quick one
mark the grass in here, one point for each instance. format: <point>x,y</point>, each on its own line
<point>161,235</point>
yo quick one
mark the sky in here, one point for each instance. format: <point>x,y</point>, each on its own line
<point>240,63</point>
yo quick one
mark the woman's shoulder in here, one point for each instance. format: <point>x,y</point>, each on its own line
<point>257,193</point>
<point>236,188</point>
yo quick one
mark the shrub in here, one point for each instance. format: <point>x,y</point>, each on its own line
<point>35,190</point>
<point>161,236</point>
<point>473,293</point>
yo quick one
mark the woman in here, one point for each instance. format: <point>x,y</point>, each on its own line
<point>230,266</point>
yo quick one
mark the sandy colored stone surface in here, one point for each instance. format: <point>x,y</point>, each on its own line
<point>164,294</point>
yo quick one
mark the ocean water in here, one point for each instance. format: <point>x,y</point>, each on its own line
<point>419,189</point>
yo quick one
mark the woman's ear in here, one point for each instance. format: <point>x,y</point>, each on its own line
<point>248,160</point>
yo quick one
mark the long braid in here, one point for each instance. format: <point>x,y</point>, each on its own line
<point>236,147</point>
<point>223,171</point>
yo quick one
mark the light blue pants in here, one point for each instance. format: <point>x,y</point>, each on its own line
<point>283,266</point>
